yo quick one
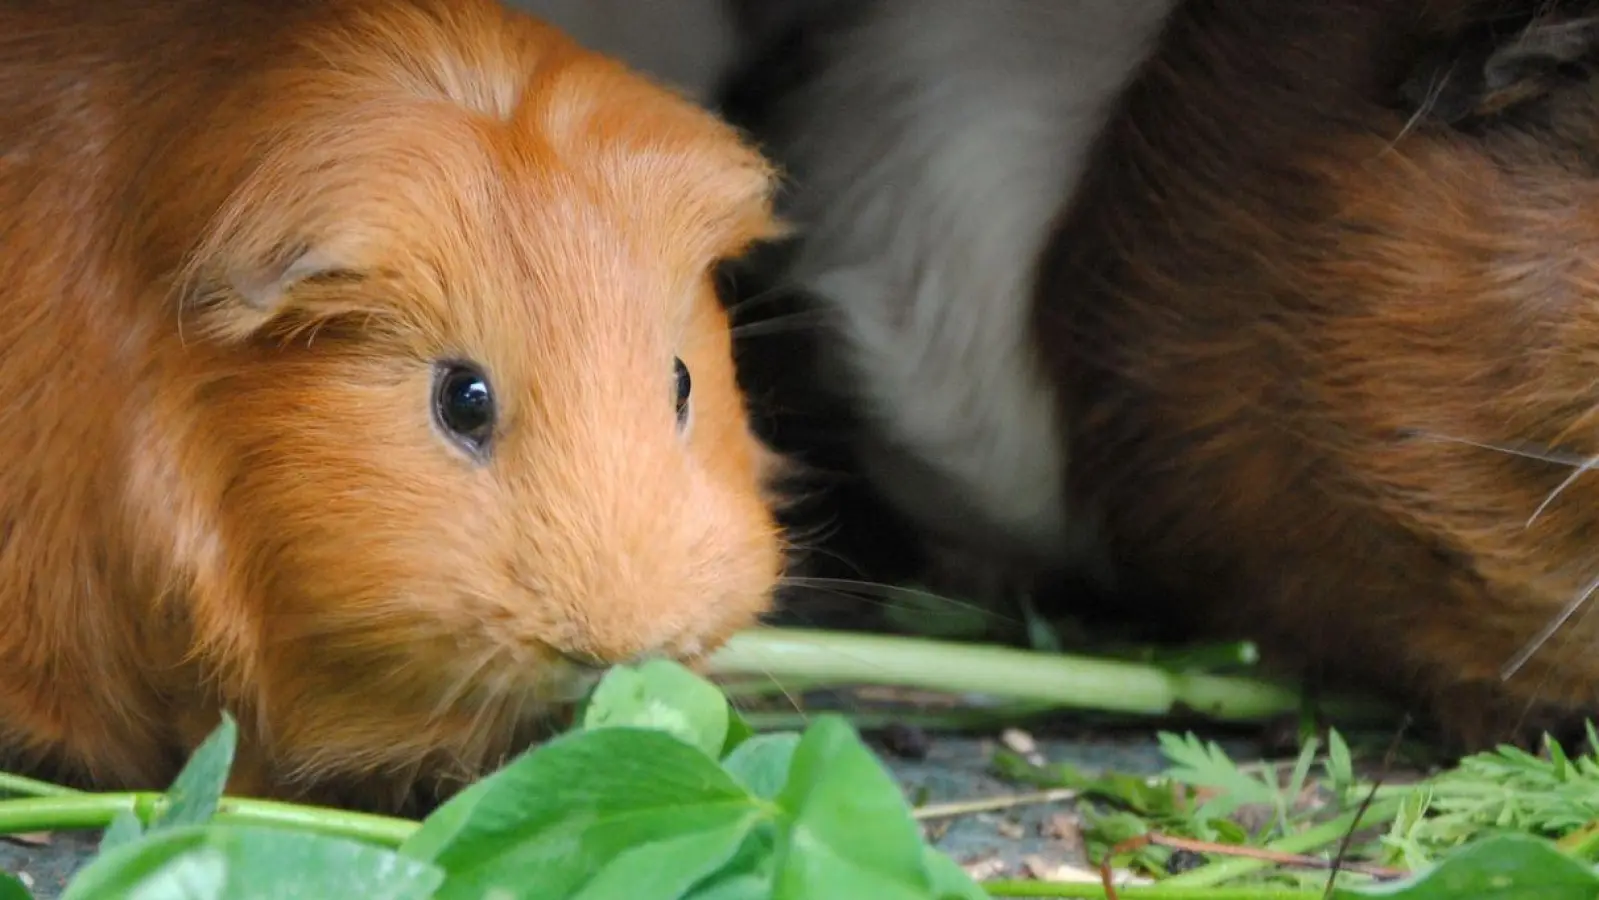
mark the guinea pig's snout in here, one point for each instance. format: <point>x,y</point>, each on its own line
<point>577,672</point>
<point>586,660</point>
<point>594,660</point>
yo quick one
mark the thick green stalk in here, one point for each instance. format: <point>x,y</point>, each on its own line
<point>952,666</point>
<point>21,786</point>
<point>79,812</point>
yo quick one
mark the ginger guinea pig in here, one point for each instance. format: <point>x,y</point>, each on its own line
<point>368,382</point>
<point>1328,309</point>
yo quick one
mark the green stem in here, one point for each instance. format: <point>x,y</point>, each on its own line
<point>1305,841</point>
<point>765,687</point>
<point>1058,679</point>
<point>21,786</point>
<point>80,812</point>
<point>1066,890</point>
<point>953,720</point>
<point>1582,843</point>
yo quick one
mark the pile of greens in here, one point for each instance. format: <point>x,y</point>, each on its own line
<point>663,791</point>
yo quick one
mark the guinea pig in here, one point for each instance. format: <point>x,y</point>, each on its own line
<point>368,383</point>
<point>927,147</point>
<point>1327,310</point>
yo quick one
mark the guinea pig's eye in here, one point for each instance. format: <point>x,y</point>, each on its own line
<point>684,385</point>
<point>463,404</point>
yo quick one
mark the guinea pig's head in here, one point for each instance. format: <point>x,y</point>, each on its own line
<point>462,378</point>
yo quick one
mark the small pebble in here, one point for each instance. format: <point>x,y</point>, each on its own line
<point>905,741</point>
<point>1064,828</point>
<point>1040,869</point>
<point>1019,741</point>
<point>984,868</point>
<point>1022,744</point>
<point>1182,861</point>
<point>1073,874</point>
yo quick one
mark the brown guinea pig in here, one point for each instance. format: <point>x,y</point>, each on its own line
<point>368,382</point>
<point>1329,296</point>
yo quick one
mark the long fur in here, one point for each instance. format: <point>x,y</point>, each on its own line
<point>235,241</point>
<point>929,145</point>
<point>1319,263</point>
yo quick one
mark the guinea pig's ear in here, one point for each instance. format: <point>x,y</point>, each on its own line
<point>1502,61</point>
<point>235,286</point>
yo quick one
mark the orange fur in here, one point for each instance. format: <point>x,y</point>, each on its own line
<point>234,240</point>
<point>1281,288</point>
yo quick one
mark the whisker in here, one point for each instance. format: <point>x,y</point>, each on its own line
<point>782,290</point>
<point>884,593</point>
<point>1542,454</point>
<point>457,689</point>
<point>1531,648</point>
<point>1435,90</point>
<point>1579,464</point>
<point>1562,648</point>
<point>789,696</point>
<point>789,323</point>
<point>1588,465</point>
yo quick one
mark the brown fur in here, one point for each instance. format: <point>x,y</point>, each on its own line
<point>234,239</point>
<point>1283,284</point>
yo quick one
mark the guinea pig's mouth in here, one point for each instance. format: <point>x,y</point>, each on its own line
<point>565,680</point>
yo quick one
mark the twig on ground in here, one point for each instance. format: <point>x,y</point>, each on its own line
<point>991,804</point>
<point>1217,849</point>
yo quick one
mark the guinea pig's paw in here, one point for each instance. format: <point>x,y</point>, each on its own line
<point>1502,62</point>
<point>1476,717</point>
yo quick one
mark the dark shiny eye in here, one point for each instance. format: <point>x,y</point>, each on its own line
<point>685,385</point>
<point>463,404</point>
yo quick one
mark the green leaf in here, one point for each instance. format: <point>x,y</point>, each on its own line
<point>1504,867</point>
<point>666,870</point>
<point>575,806</point>
<point>1204,764</point>
<point>742,886</point>
<point>762,763</point>
<point>238,862</point>
<point>665,695</point>
<point>272,863</point>
<point>113,873</point>
<point>748,875</point>
<point>1228,832</point>
<point>12,888</point>
<point>738,731</point>
<point>446,823</point>
<point>1340,765</point>
<point>850,832</point>
<point>950,881</point>
<point>1296,783</point>
<point>192,798</point>
<point>198,875</point>
<point>125,828</point>
<point>1301,770</point>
